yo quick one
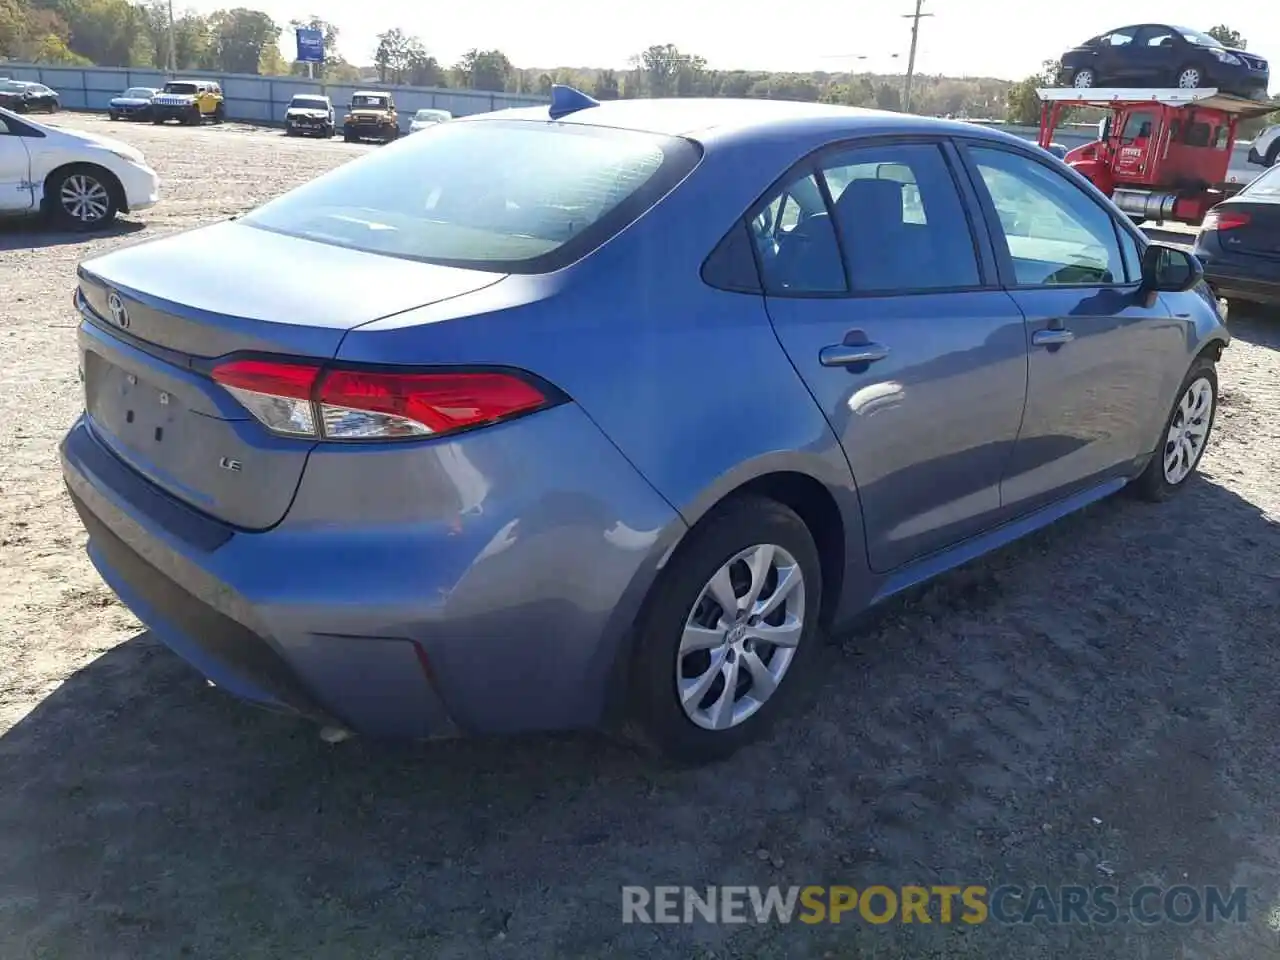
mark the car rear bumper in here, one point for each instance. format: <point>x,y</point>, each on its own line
<point>1244,280</point>
<point>507,617</point>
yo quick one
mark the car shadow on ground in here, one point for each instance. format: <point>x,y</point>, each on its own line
<point>1093,705</point>
<point>34,233</point>
<point>1256,324</point>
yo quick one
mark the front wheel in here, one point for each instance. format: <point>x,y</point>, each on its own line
<point>113,116</point>
<point>82,198</point>
<point>1186,434</point>
<point>219,113</point>
<point>728,634</point>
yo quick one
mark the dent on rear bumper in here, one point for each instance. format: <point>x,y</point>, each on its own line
<point>514,557</point>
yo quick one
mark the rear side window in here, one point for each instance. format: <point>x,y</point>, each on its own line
<point>901,220</point>
<point>507,196</point>
<point>796,243</point>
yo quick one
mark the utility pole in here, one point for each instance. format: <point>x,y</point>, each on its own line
<point>173,48</point>
<point>911,57</point>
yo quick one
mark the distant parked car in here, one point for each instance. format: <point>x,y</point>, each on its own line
<point>1239,244</point>
<point>371,116</point>
<point>608,419</point>
<point>189,102</point>
<point>427,118</point>
<point>310,115</point>
<point>23,96</point>
<point>133,104</point>
<point>1266,147</point>
<point>1158,55</point>
<point>80,179</point>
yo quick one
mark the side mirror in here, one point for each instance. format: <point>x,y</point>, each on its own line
<point>1170,270</point>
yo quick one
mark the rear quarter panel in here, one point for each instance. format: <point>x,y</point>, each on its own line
<point>689,382</point>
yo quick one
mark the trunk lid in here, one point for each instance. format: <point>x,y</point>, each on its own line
<point>158,313</point>
<point>1260,236</point>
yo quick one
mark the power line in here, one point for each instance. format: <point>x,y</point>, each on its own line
<point>915,19</point>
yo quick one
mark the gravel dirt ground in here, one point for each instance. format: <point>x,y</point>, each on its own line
<point>1094,705</point>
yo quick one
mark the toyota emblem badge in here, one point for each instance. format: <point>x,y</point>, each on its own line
<point>118,312</point>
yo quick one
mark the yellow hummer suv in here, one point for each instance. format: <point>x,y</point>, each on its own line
<point>188,101</point>
<point>371,116</point>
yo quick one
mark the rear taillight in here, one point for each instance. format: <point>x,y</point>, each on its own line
<point>306,400</point>
<point>1224,220</point>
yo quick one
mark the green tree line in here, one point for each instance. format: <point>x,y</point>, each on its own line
<point>243,40</point>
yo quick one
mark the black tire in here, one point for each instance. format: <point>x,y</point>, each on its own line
<point>112,116</point>
<point>656,719</point>
<point>348,137</point>
<point>192,117</point>
<point>1088,75</point>
<point>328,132</point>
<point>219,113</point>
<point>54,107</point>
<point>64,214</point>
<point>290,132</point>
<point>157,120</point>
<point>1152,484</point>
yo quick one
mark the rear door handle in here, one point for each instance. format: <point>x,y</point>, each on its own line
<point>1048,338</point>
<point>846,355</point>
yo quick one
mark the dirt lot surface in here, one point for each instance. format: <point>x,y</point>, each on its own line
<point>1095,705</point>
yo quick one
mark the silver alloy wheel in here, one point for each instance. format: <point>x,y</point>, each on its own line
<point>1188,431</point>
<point>1189,79</point>
<point>740,638</point>
<point>1083,79</point>
<point>84,198</point>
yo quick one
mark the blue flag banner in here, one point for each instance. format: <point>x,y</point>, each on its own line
<point>310,46</point>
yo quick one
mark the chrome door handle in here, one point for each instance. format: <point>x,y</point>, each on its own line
<point>1048,338</point>
<point>846,355</point>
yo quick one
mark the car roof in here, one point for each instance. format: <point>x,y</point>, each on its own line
<point>725,117</point>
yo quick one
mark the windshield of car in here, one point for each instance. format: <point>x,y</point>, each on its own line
<point>139,93</point>
<point>376,103</point>
<point>456,198</point>
<point>1198,38</point>
<point>1266,185</point>
<point>183,88</point>
<point>309,103</point>
<point>428,115</point>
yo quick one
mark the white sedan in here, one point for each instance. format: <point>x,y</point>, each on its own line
<point>79,179</point>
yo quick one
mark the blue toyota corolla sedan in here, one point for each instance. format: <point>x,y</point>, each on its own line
<point>603,414</point>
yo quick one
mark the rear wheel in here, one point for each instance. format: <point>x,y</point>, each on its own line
<point>728,634</point>
<point>1186,434</point>
<point>1084,77</point>
<point>1190,78</point>
<point>83,198</point>
<point>219,113</point>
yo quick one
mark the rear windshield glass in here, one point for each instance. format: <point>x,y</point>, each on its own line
<point>310,103</point>
<point>1266,185</point>
<point>461,197</point>
<point>184,88</point>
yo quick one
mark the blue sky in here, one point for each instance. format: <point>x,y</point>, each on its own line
<point>1002,38</point>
